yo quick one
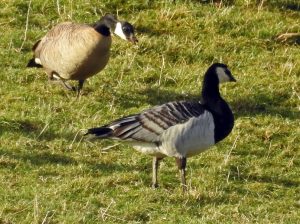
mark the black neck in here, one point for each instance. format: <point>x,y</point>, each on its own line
<point>210,89</point>
<point>102,29</point>
<point>212,101</point>
<point>105,25</point>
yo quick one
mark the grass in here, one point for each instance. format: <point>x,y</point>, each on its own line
<point>50,174</point>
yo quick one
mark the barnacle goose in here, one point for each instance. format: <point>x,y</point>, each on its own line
<point>71,51</point>
<point>177,129</point>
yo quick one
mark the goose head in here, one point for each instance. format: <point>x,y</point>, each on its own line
<point>223,73</point>
<point>123,29</point>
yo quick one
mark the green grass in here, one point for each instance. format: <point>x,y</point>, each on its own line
<point>50,174</point>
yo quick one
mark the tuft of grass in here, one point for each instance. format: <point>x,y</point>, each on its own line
<point>50,174</point>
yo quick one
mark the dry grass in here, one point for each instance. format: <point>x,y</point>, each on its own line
<point>49,174</point>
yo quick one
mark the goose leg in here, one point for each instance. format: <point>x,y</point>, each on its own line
<point>80,85</point>
<point>57,80</point>
<point>155,165</point>
<point>66,85</point>
<point>181,163</point>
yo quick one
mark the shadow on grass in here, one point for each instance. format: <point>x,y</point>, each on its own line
<point>158,96</point>
<point>284,182</point>
<point>150,32</point>
<point>216,2</point>
<point>31,129</point>
<point>284,4</point>
<point>110,168</point>
<point>43,158</point>
<point>244,106</point>
<point>39,158</point>
<point>153,96</point>
<point>22,126</point>
<point>262,104</point>
<point>274,180</point>
<point>281,4</point>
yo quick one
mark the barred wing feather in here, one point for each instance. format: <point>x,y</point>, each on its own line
<point>150,124</point>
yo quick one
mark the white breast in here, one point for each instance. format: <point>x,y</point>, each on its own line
<point>190,138</point>
<point>147,148</point>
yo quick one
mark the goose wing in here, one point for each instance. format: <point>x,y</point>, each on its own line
<point>149,125</point>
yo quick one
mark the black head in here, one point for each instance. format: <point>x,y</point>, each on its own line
<point>109,23</point>
<point>126,31</point>
<point>217,73</point>
<point>222,72</point>
<point>110,17</point>
<point>105,24</point>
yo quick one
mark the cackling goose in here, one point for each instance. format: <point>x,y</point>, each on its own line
<point>71,51</point>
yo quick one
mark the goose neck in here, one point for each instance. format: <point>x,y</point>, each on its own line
<point>210,91</point>
<point>105,25</point>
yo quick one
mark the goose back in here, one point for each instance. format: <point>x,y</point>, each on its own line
<point>73,51</point>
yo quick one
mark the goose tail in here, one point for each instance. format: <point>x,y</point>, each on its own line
<point>32,63</point>
<point>101,132</point>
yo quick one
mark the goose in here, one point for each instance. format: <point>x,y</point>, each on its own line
<point>177,129</point>
<point>71,51</point>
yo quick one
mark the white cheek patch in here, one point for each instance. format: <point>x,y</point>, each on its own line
<point>56,76</point>
<point>222,76</point>
<point>119,31</point>
<point>38,61</point>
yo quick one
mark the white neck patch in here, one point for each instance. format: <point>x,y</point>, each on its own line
<point>222,76</point>
<point>119,31</point>
<point>38,61</point>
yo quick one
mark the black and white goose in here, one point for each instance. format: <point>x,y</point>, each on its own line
<point>71,51</point>
<point>177,129</point>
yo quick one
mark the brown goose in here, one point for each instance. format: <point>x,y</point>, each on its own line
<point>71,51</point>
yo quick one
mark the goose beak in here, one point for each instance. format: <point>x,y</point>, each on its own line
<point>232,79</point>
<point>132,39</point>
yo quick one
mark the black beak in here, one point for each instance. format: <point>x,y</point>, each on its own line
<point>132,39</point>
<point>232,79</point>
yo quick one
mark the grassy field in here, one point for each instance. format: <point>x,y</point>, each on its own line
<point>50,174</point>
